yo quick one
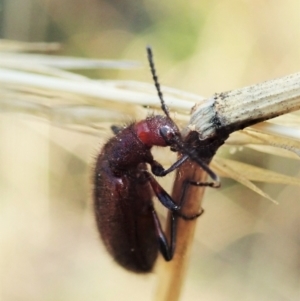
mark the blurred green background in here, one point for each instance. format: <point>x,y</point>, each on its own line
<point>246,248</point>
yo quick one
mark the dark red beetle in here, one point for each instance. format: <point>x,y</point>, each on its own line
<point>123,189</point>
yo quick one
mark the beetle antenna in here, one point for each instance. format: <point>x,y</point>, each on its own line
<point>156,83</point>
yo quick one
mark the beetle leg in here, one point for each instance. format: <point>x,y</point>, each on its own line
<point>182,200</point>
<point>167,200</point>
<point>166,249</point>
<point>161,194</point>
<point>159,171</point>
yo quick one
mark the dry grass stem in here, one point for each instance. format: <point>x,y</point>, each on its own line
<point>171,274</point>
<point>239,108</point>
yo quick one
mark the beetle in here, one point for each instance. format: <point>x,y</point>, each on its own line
<point>124,187</point>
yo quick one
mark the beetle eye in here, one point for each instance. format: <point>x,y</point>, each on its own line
<point>167,133</point>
